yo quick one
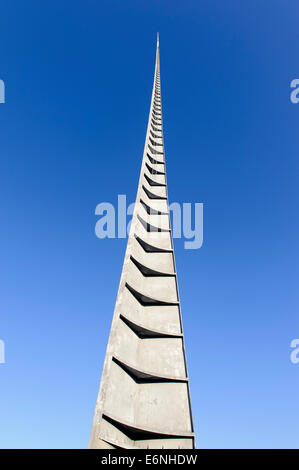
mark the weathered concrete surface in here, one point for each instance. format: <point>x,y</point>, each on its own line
<point>144,398</point>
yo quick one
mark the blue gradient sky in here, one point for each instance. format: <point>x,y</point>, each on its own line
<point>78,78</point>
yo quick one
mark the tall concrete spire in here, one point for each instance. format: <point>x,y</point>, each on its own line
<point>144,399</point>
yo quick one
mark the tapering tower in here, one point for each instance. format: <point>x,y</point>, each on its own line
<point>144,399</point>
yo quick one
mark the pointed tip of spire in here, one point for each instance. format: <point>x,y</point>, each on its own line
<point>157,39</point>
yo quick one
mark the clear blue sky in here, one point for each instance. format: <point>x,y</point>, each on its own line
<point>78,78</point>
